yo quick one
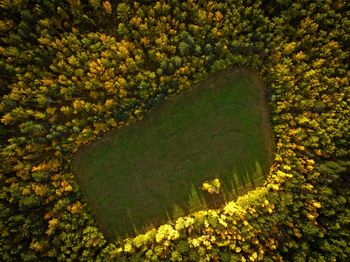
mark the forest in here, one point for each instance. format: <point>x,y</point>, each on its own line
<point>72,70</point>
<point>152,172</point>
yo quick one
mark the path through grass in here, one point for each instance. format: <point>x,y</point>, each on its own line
<point>144,174</point>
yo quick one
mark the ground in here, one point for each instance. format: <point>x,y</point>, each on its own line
<point>142,175</point>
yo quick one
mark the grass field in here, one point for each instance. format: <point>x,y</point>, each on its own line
<point>142,175</point>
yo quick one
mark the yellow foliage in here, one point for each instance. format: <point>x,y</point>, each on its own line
<point>218,16</point>
<point>123,68</point>
<point>274,187</point>
<point>66,186</point>
<point>129,61</point>
<point>26,191</point>
<point>51,165</point>
<point>39,115</point>
<point>216,32</point>
<point>311,216</point>
<point>184,222</point>
<point>128,248</point>
<point>51,110</point>
<point>94,95</point>
<point>316,204</point>
<point>145,41</point>
<point>212,186</point>
<point>166,232</point>
<point>297,233</point>
<point>123,49</point>
<point>121,81</point>
<point>183,69</point>
<point>47,82</point>
<point>112,122</point>
<point>289,48</point>
<point>318,152</point>
<point>253,257</point>
<point>319,63</point>
<point>104,38</point>
<point>49,214</point>
<point>333,44</point>
<point>53,224</point>
<point>109,103</point>
<point>78,104</point>
<point>172,32</point>
<point>96,67</point>
<point>232,208</point>
<point>7,119</point>
<point>109,86</point>
<point>36,246</point>
<point>135,21</point>
<point>100,127</point>
<point>122,93</point>
<point>65,110</point>
<point>107,7</point>
<point>39,189</point>
<point>75,208</point>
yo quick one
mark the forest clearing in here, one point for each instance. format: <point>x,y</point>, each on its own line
<point>141,175</point>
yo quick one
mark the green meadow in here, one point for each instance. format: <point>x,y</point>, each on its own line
<point>150,172</point>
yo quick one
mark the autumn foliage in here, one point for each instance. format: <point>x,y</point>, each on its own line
<point>71,70</point>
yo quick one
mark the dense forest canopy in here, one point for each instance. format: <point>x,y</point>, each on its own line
<point>71,70</point>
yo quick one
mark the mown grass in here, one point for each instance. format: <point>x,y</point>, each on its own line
<point>142,175</point>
